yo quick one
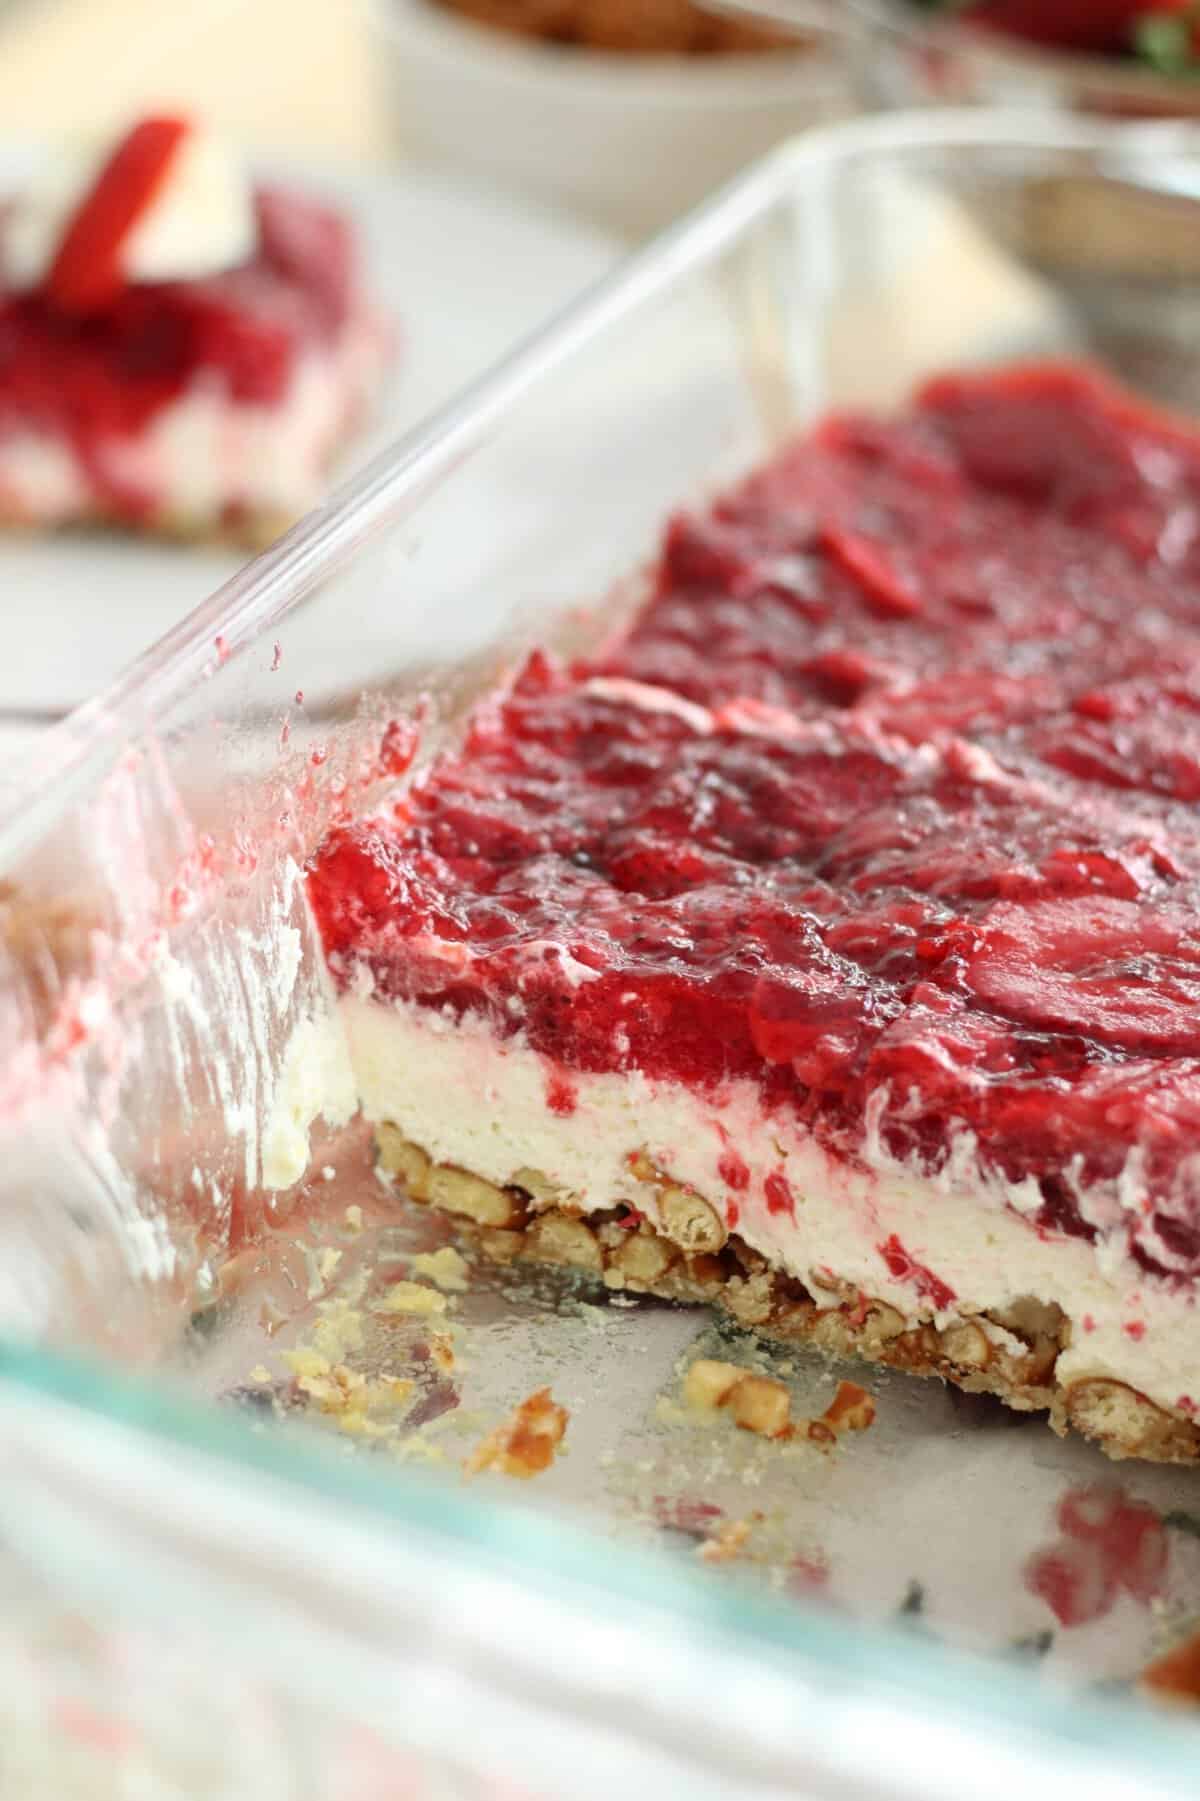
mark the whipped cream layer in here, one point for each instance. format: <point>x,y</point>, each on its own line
<point>470,1099</point>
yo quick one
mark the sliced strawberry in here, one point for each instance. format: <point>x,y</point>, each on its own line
<point>813,1021</point>
<point>1098,966</point>
<point>86,273</point>
<point>886,589</point>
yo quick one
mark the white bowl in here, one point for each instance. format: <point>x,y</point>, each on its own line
<point>629,141</point>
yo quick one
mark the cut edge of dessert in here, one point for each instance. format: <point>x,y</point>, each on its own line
<point>183,352</point>
<point>662,1234</point>
<point>796,1194</point>
<point>649,1246</point>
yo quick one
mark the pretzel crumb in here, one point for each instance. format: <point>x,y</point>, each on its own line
<point>1174,1678</point>
<point>725,1543</point>
<point>411,1297</point>
<point>709,1383</point>
<point>851,1410</point>
<point>758,1403</point>
<point>345,1393</point>
<point>525,1444</point>
<point>447,1268</point>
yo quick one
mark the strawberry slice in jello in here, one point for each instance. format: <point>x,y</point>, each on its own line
<point>1103,968</point>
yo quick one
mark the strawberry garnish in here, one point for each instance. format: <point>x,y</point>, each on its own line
<point>86,274</point>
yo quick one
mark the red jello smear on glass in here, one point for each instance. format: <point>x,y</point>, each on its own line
<point>1108,1544</point>
<point>913,870</point>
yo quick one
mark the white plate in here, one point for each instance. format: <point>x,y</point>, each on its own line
<point>464,273</point>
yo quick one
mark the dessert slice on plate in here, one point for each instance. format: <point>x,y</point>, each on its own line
<point>849,977</point>
<point>180,351</point>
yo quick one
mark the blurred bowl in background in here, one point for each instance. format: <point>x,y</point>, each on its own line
<point>628,140</point>
<point>919,58</point>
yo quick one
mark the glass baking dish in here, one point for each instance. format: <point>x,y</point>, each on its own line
<point>204,1598</point>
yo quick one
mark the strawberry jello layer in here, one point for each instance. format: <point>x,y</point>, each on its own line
<point>193,406</point>
<point>829,946</point>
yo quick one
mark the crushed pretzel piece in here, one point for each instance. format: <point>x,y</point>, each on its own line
<point>345,1393</point>
<point>339,1329</point>
<point>760,1404</point>
<point>757,1403</point>
<point>448,1268</point>
<point>524,1445</point>
<point>725,1543</point>
<point>335,1387</point>
<point>709,1383</point>
<point>411,1297</point>
<point>1174,1678</point>
<point>441,1351</point>
<point>851,1410</point>
<point>306,1362</point>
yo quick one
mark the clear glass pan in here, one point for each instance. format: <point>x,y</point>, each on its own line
<point>202,1603</point>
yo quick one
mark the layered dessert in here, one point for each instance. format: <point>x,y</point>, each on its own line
<point>826,947</point>
<point>180,351</point>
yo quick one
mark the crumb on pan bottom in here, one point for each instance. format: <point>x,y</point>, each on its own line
<point>510,1224</point>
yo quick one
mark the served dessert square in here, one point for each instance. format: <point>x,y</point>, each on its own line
<point>826,945</point>
<point>181,351</point>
